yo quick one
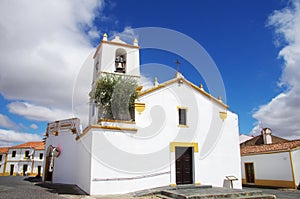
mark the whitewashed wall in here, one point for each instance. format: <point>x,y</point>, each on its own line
<point>38,161</point>
<point>84,156</point>
<point>272,166</point>
<point>115,171</point>
<point>123,161</point>
<point>2,163</point>
<point>218,141</point>
<point>65,166</point>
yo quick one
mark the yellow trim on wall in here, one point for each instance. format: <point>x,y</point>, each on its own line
<point>118,121</point>
<point>183,126</point>
<point>292,169</point>
<point>183,107</point>
<point>86,130</point>
<point>173,145</point>
<point>118,128</point>
<point>271,183</point>
<point>188,83</point>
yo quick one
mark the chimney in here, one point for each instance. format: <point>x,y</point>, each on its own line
<point>266,133</point>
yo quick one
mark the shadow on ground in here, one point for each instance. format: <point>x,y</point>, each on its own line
<point>69,189</point>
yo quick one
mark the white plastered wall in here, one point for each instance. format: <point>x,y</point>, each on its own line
<point>2,163</point>
<point>272,166</point>
<point>117,169</point>
<point>218,141</point>
<point>84,158</point>
<point>65,166</point>
<point>157,129</point>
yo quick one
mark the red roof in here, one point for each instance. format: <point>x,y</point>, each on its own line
<point>3,150</point>
<point>35,145</point>
<point>282,146</point>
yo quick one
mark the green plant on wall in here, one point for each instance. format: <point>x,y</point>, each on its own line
<point>115,96</point>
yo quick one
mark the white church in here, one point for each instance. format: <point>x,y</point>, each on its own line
<point>177,134</point>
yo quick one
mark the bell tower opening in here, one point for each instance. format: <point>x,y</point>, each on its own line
<point>120,60</point>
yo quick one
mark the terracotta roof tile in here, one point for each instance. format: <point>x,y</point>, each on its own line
<point>283,146</point>
<point>3,150</point>
<point>35,145</point>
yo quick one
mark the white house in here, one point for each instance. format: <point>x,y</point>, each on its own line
<point>268,160</point>
<point>180,134</point>
<point>3,155</point>
<point>25,159</point>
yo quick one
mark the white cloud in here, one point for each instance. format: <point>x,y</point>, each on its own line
<point>128,35</point>
<point>34,126</point>
<point>9,137</point>
<point>6,122</point>
<point>43,44</point>
<point>281,114</point>
<point>38,113</point>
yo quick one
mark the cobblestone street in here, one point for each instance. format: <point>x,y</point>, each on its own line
<point>19,187</point>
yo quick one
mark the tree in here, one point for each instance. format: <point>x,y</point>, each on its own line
<point>115,96</point>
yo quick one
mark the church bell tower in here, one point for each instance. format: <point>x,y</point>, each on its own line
<point>114,57</point>
<point>117,57</point>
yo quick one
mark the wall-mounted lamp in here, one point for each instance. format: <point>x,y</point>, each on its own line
<point>223,115</point>
<point>139,107</point>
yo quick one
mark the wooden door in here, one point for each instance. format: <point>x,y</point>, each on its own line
<point>249,172</point>
<point>184,165</point>
<point>39,170</point>
<point>48,174</point>
<point>12,169</point>
<point>24,169</point>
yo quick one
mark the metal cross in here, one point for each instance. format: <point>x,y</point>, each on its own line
<point>177,65</point>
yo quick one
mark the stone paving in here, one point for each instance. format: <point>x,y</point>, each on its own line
<point>19,187</point>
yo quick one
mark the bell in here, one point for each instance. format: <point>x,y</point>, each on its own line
<point>119,65</point>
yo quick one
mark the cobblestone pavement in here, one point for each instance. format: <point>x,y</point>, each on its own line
<point>19,187</point>
<point>280,193</point>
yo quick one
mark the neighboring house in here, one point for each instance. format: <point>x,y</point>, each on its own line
<point>268,160</point>
<point>3,155</point>
<point>180,134</point>
<point>25,159</point>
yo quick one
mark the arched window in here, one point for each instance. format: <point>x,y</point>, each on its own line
<point>120,60</point>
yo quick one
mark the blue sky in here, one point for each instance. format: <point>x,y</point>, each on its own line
<point>254,44</point>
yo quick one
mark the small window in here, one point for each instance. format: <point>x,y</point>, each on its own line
<point>26,154</point>
<point>41,156</point>
<point>13,154</point>
<point>0,158</point>
<point>182,116</point>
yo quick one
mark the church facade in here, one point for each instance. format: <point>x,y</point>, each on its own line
<point>177,134</point>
